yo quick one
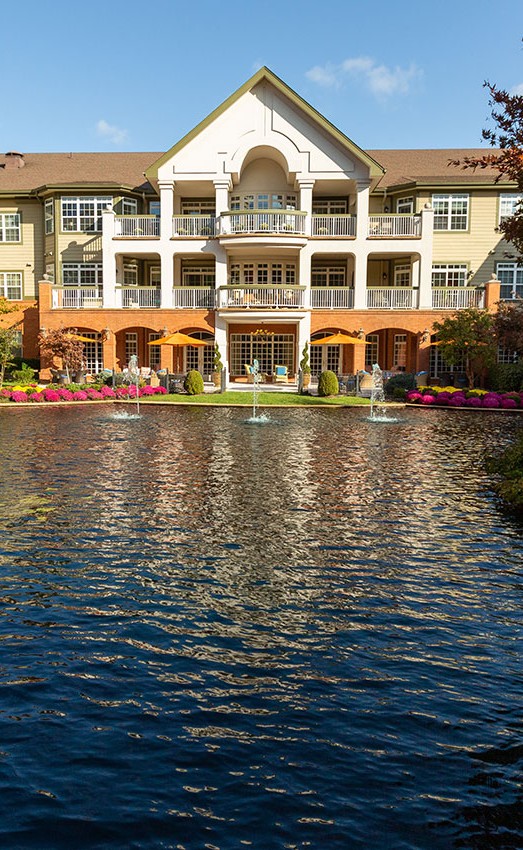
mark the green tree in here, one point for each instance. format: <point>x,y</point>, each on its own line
<point>468,337</point>
<point>508,323</point>
<point>8,341</point>
<point>507,160</point>
<point>63,343</point>
<point>7,306</point>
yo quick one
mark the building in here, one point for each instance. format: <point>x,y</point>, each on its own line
<point>263,228</point>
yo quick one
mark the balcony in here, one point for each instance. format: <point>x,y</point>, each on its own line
<point>394,226</point>
<point>249,297</point>
<point>194,298</point>
<point>76,298</point>
<point>332,298</point>
<point>445,298</point>
<point>263,222</point>
<point>137,226</point>
<point>391,298</point>
<point>194,226</point>
<point>343,226</point>
<point>138,297</point>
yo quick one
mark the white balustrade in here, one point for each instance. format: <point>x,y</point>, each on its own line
<point>287,222</point>
<point>201,226</point>
<point>332,298</point>
<point>137,226</point>
<point>445,298</point>
<point>394,225</point>
<point>76,298</point>
<point>266,296</point>
<point>138,296</point>
<point>334,225</point>
<point>195,298</point>
<point>390,298</point>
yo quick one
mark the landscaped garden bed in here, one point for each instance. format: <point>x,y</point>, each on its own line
<point>452,397</point>
<point>58,394</point>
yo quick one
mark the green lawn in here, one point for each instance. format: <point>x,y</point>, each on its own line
<point>263,399</point>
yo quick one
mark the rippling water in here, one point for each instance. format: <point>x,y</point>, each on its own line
<point>216,635</point>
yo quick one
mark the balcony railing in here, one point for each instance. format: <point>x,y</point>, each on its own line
<point>194,226</point>
<point>334,225</point>
<point>332,298</point>
<point>394,225</point>
<point>261,296</point>
<point>259,222</point>
<point>194,298</point>
<point>73,298</point>
<point>137,226</point>
<point>444,298</point>
<point>391,298</point>
<point>138,296</point>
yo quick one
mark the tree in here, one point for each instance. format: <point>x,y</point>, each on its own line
<point>63,344</point>
<point>507,112</point>
<point>7,306</point>
<point>8,341</point>
<point>508,324</point>
<point>468,337</point>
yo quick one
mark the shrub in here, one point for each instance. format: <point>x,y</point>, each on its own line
<point>506,377</point>
<point>328,384</point>
<point>24,375</point>
<point>193,383</point>
<point>404,380</point>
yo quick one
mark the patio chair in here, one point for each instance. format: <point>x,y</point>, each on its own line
<point>249,372</point>
<point>365,384</point>
<point>281,374</point>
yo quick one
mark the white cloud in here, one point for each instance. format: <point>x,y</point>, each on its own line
<point>380,80</point>
<point>517,89</point>
<point>109,131</point>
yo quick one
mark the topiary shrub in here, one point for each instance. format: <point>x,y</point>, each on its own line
<point>193,383</point>
<point>328,384</point>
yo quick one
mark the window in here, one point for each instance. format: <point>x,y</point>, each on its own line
<point>155,276</point>
<point>130,275</point>
<point>49,216</point>
<point>82,274</point>
<point>328,276</point>
<point>93,353</point>
<point>508,205</point>
<point>400,351</point>
<point>49,270</point>
<point>510,275</point>
<point>84,215</point>
<point>371,350</point>
<point>450,212</point>
<point>154,208</point>
<point>263,274</point>
<point>505,355</point>
<point>129,206</point>
<point>268,350</point>
<point>329,206</point>
<point>10,227</point>
<point>198,206</point>
<point>401,276</point>
<point>198,276</point>
<point>405,206</point>
<point>131,346</point>
<point>11,285</point>
<point>201,358</point>
<point>263,201</point>
<point>154,351</point>
<point>449,274</point>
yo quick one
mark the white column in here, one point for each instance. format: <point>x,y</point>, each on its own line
<point>221,278</point>
<point>362,208</point>
<point>360,280</point>
<point>221,188</point>
<point>166,264</point>
<point>304,274</point>
<point>415,278</point>
<point>108,259</point>
<point>425,250</point>
<point>306,187</point>
<point>166,209</point>
<point>220,338</point>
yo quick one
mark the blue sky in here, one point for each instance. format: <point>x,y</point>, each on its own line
<point>122,75</point>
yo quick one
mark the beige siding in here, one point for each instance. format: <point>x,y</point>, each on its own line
<point>25,256</point>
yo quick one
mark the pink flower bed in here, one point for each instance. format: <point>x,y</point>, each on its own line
<point>463,398</point>
<point>63,394</point>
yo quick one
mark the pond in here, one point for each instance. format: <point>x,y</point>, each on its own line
<point>298,634</point>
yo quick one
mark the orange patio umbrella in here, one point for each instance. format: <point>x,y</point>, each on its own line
<point>80,338</point>
<point>177,340</point>
<point>339,339</point>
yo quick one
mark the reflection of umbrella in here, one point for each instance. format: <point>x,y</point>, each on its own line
<point>177,340</point>
<point>339,339</point>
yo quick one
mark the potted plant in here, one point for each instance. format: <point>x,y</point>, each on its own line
<point>218,366</point>
<point>305,367</point>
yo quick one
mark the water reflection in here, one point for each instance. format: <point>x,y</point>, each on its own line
<point>214,634</point>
